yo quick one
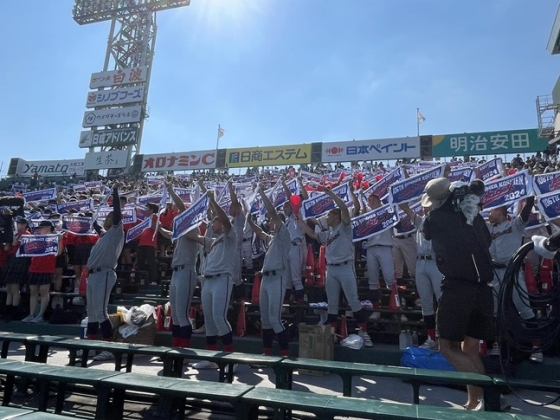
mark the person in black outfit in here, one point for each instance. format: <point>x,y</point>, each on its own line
<point>465,309</point>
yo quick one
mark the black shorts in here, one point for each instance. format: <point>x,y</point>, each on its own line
<point>465,309</point>
<point>163,241</point>
<point>39,279</point>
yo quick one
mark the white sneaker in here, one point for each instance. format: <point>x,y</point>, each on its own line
<point>479,406</point>
<point>537,357</point>
<point>38,319</point>
<point>495,350</point>
<point>404,318</point>
<point>78,300</point>
<point>200,330</point>
<point>226,369</point>
<point>367,340</point>
<point>429,344</point>
<point>104,355</point>
<point>28,318</point>
<point>504,405</point>
<point>205,364</point>
<point>375,316</point>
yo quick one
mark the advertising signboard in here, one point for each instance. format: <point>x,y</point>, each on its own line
<point>112,97</point>
<point>268,156</point>
<point>110,137</point>
<point>48,168</point>
<point>488,143</point>
<point>118,77</point>
<point>182,161</point>
<point>378,149</point>
<point>106,160</point>
<point>99,117</point>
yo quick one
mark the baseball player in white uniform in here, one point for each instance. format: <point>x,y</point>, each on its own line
<point>183,279</point>
<point>102,276</point>
<point>219,270</point>
<point>341,274</point>
<point>275,273</point>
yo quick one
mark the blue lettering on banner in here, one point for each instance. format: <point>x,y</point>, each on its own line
<point>190,218</point>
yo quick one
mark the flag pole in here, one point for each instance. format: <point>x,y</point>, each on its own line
<point>418,122</point>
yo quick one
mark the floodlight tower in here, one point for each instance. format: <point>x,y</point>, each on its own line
<point>119,106</point>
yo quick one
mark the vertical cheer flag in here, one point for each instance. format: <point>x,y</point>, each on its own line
<point>419,119</point>
<point>220,134</point>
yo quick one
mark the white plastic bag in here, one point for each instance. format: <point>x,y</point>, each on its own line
<point>353,341</point>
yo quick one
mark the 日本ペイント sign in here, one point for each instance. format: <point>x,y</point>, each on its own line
<point>381,149</point>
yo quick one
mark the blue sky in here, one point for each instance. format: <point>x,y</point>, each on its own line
<point>284,72</point>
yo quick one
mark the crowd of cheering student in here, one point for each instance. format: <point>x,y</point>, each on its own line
<point>386,253</point>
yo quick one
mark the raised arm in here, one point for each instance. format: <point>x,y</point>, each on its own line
<point>219,212</point>
<point>117,215</point>
<point>176,199</point>
<point>273,214</point>
<point>203,189</point>
<point>256,228</point>
<point>408,211</point>
<point>526,211</point>
<point>193,235</point>
<point>355,200</point>
<point>344,213</point>
<point>286,189</point>
<point>235,207</point>
<point>302,189</point>
<point>166,233</point>
<point>308,231</point>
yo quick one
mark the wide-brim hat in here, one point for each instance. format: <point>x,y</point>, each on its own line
<point>436,193</point>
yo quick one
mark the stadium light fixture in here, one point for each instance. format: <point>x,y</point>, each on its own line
<point>92,11</point>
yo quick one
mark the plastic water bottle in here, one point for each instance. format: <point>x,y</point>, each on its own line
<point>408,338</point>
<point>83,326</point>
<point>402,340</point>
<point>414,338</point>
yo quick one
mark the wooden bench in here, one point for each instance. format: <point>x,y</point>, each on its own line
<point>416,377</point>
<point>45,374</point>
<point>119,350</point>
<point>173,393</point>
<point>25,414</point>
<point>174,358</point>
<point>37,347</point>
<point>534,385</point>
<point>8,338</point>
<point>326,407</point>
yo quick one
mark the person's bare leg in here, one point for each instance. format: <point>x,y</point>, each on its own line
<point>465,359</point>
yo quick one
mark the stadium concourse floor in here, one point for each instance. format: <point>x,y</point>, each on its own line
<point>83,405</point>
